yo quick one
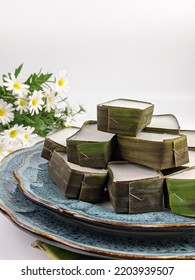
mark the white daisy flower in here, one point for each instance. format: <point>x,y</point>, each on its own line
<point>28,136</point>
<point>36,102</point>
<point>62,83</point>
<point>51,101</point>
<point>14,134</point>
<point>21,104</point>
<point>6,114</point>
<point>16,85</point>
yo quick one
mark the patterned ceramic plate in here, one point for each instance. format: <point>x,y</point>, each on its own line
<point>53,227</point>
<point>37,185</point>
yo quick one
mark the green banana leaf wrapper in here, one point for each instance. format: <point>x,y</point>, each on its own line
<point>159,155</point>
<point>86,184</point>
<point>182,193</point>
<point>167,172</point>
<point>56,253</point>
<point>57,141</point>
<point>91,153</point>
<point>165,123</point>
<point>122,120</point>
<point>135,196</point>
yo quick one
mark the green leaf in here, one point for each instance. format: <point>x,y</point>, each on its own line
<point>36,87</point>
<point>39,123</point>
<point>24,119</point>
<point>1,90</point>
<point>4,76</point>
<point>18,70</point>
<point>28,120</point>
<point>35,81</point>
<point>45,131</point>
<point>28,81</point>
<point>40,127</point>
<point>56,253</point>
<point>2,128</point>
<point>43,78</point>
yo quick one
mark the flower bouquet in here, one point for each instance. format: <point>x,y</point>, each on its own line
<point>32,107</point>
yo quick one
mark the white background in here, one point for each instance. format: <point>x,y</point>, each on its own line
<point>136,49</point>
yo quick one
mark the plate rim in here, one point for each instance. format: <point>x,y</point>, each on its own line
<point>88,250</point>
<point>102,222</point>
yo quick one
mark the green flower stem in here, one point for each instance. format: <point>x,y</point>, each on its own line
<point>47,86</point>
<point>63,100</point>
<point>8,95</point>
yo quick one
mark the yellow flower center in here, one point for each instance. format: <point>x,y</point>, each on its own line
<point>34,102</point>
<point>17,86</point>
<point>1,149</point>
<point>60,82</point>
<point>2,112</point>
<point>50,100</point>
<point>26,136</point>
<point>13,133</point>
<point>22,102</point>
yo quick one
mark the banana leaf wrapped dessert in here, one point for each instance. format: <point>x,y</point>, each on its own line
<point>190,134</point>
<point>191,155</point>
<point>124,116</point>
<point>166,123</point>
<point>171,171</point>
<point>181,190</point>
<point>156,150</point>
<point>134,188</point>
<point>90,147</point>
<point>74,181</point>
<point>57,141</point>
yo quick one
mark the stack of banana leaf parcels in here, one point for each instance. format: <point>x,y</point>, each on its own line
<point>141,162</point>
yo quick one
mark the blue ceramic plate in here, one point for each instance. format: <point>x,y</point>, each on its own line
<point>37,185</point>
<point>48,224</point>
